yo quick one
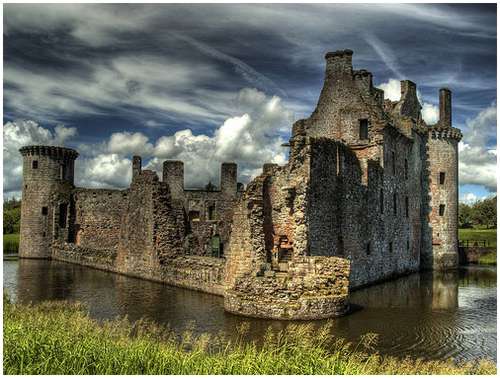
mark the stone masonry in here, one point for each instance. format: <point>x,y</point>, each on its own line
<point>370,192</point>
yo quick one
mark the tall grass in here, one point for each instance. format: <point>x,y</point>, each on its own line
<point>60,338</point>
<point>10,243</point>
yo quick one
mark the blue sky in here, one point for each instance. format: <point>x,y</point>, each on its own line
<point>212,83</point>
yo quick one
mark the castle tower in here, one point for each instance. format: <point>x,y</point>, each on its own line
<point>443,187</point>
<point>48,176</point>
<point>173,175</point>
<point>228,178</point>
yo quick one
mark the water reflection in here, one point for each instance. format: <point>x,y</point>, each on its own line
<point>430,315</point>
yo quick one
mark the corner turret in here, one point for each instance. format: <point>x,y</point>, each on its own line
<point>443,187</point>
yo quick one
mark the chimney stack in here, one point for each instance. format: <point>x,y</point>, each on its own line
<point>338,63</point>
<point>445,107</point>
<point>136,166</point>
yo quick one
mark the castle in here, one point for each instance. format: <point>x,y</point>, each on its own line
<point>370,192</point>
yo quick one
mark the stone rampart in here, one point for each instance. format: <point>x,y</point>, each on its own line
<point>313,288</point>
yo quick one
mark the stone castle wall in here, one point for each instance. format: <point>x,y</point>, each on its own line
<point>98,217</point>
<point>362,199</point>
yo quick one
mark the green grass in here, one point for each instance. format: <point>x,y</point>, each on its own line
<point>479,234</point>
<point>488,259</point>
<point>60,338</point>
<point>10,243</point>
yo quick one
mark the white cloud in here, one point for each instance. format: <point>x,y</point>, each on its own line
<point>132,85</point>
<point>392,91</point>
<point>430,113</point>
<point>126,143</point>
<point>469,198</point>
<point>21,133</point>
<point>249,139</point>
<point>477,157</point>
<point>104,171</point>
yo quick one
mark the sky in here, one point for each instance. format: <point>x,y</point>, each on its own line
<point>208,83</point>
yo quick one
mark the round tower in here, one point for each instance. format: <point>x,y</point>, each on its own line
<point>48,176</point>
<point>443,187</point>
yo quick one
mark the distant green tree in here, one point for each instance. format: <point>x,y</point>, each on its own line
<point>486,212</point>
<point>481,213</point>
<point>11,216</point>
<point>464,215</point>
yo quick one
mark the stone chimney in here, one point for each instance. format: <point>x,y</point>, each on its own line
<point>445,107</point>
<point>136,166</point>
<point>338,63</point>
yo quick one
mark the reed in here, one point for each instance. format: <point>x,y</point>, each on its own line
<point>60,338</point>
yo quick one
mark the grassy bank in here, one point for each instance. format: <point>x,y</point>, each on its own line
<point>488,259</point>
<point>59,338</point>
<point>490,235</point>
<point>10,243</point>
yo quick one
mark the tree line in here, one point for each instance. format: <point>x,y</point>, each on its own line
<point>11,216</point>
<point>481,213</point>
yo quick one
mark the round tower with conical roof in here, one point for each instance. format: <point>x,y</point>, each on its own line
<point>48,180</point>
<point>443,187</point>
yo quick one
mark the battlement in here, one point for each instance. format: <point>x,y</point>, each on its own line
<point>53,151</point>
<point>443,132</point>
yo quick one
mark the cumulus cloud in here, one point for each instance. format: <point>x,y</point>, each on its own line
<point>430,113</point>
<point>104,171</point>
<point>468,198</point>
<point>126,143</point>
<point>392,91</point>
<point>17,134</point>
<point>477,150</point>
<point>250,139</point>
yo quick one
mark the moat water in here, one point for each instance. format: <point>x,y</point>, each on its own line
<point>428,315</point>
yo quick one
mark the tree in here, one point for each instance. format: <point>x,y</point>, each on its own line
<point>481,213</point>
<point>487,212</point>
<point>464,215</point>
<point>11,216</point>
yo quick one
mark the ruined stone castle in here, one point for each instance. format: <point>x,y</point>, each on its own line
<point>370,192</point>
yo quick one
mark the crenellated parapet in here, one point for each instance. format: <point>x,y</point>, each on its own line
<point>440,132</point>
<point>52,151</point>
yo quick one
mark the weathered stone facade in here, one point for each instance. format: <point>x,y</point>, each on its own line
<point>369,192</point>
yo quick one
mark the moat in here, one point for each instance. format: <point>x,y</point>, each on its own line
<point>429,315</point>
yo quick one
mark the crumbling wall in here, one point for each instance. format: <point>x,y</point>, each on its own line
<point>103,259</point>
<point>153,237</point>
<point>315,287</point>
<point>268,271</point>
<point>214,211</point>
<point>98,217</point>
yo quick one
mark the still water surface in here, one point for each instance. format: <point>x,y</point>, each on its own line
<point>427,315</point>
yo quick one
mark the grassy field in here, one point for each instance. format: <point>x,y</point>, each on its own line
<point>59,338</point>
<point>10,243</point>
<point>479,234</point>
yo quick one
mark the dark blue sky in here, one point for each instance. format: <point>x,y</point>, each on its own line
<point>176,81</point>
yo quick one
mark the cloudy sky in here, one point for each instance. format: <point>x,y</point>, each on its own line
<point>213,83</point>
